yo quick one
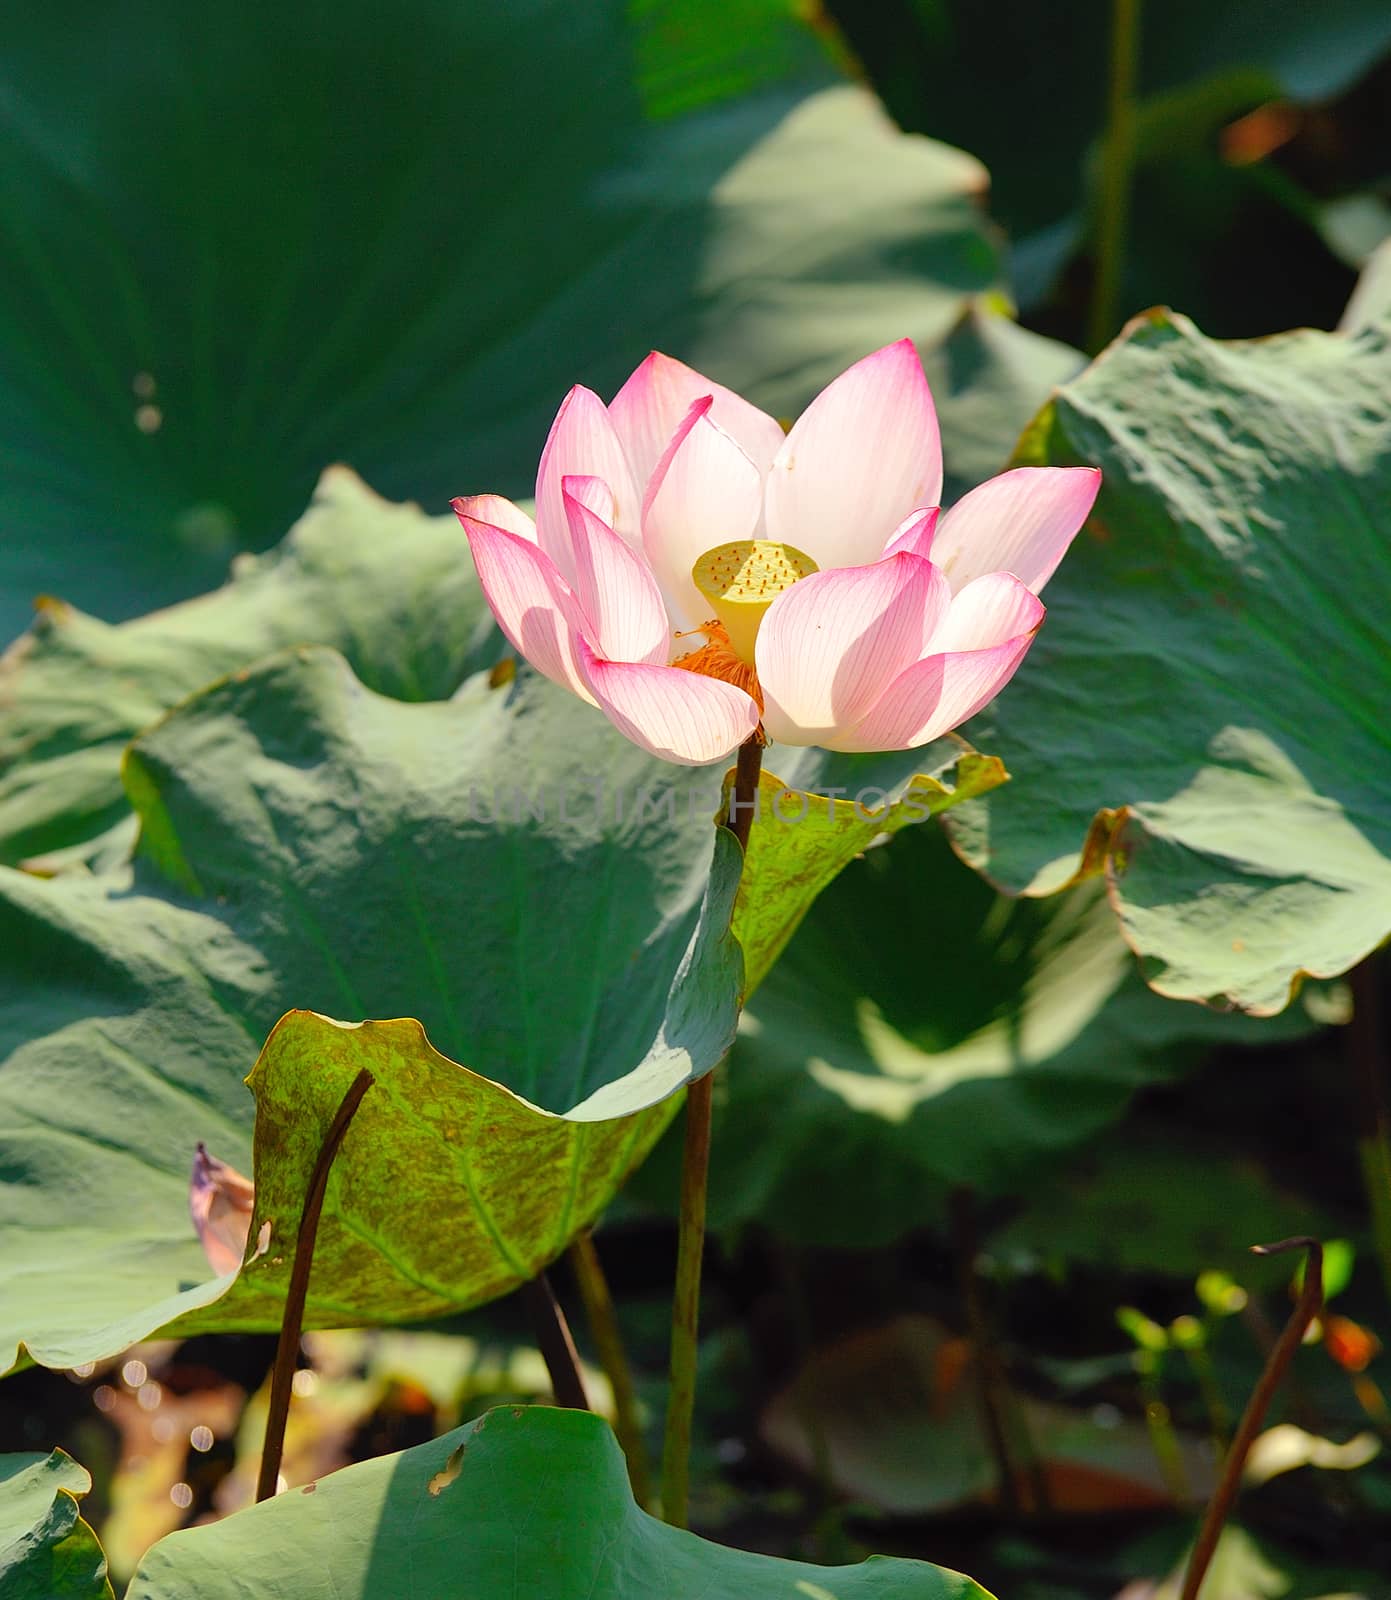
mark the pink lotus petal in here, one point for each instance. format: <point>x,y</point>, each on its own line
<point>832,643</point>
<point>986,612</point>
<point>648,410</point>
<point>221,1202</point>
<point>533,605</point>
<point>672,714</point>
<point>592,493</point>
<point>582,443</point>
<point>940,692</point>
<point>497,513</point>
<point>914,535</point>
<point>617,594</point>
<point>1021,522</point>
<point>862,456</point>
<point>704,492</point>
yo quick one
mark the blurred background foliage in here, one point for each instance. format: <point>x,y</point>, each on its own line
<point>240,245</point>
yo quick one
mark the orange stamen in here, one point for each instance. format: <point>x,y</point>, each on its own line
<point>717,659</point>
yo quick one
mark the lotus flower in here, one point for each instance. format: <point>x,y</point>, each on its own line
<point>701,578</point>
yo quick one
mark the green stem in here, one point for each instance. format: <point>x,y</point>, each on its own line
<point>685,1305</point>
<point>1307,1308</point>
<point>608,1341</point>
<point>1117,164</point>
<point>690,1239</point>
<point>292,1322</point>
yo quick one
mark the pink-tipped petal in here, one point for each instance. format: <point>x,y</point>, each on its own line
<point>914,535</point>
<point>648,410</point>
<point>832,643</point>
<point>220,1201</point>
<point>496,512</point>
<point>617,594</point>
<point>1021,522</point>
<point>675,715</point>
<point>937,695</point>
<point>592,493</point>
<point>705,492</point>
<point>533,605</point>
<point>986,612</point>
<point>980,642</point>
<point>862,456</point>
<point>582,443</point>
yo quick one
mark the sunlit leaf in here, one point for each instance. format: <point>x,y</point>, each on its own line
<point>1203,718</point>
<point>525,1501</point>
<point>308,843</point>
<point>503,867</point>
<point>47,1552</point>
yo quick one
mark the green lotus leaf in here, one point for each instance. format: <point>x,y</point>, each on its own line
<point>525,1501</point>
<point>237,252</point>
<point>307,843</point>
<point>392,589</point>
<point>47,1552</point>
<point>503,867</point>
<point>1203,717</point>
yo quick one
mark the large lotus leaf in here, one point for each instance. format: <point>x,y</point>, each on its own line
<point>308,843</point>
<point>690,53</point>
<point>290,235</point>
<point>922,1032</point>
<point>1203,717</point>
<point>503,867</point>
<point>526,1501</point>
<point>47,1552</point>
<point>391,588</point>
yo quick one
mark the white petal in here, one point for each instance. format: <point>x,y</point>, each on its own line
<point>497,513</point>
<point>862,456</point>
<point>832,643</point>
<point>648,410</point>
<point>533,605</point>
<point>705,492</point>
<point>982,639</point>
<point>622,608</point>
<point>674,715</point>
<point>582,443</point>
<point>1021,522</point>
<point>986,612</point>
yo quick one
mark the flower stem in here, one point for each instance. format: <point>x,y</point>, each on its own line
<point>690,1245</point>
<point>557,1347</point>
<point>1306,1309</point>
<point>1117,162</point>
<point>608,1341</point>
<point>292,1322</point>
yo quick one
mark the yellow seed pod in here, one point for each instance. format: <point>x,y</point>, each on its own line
<point>741,580</point>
